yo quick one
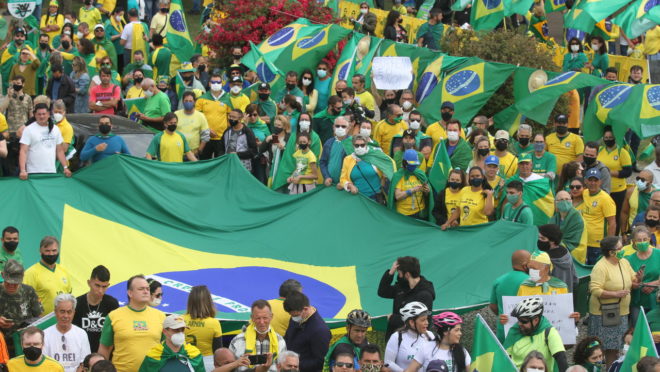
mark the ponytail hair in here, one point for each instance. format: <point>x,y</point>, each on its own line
<point>43,106</point>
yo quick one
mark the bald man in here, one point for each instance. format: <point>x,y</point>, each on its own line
<point>508,284</point>
<point>571,224</point>
<point>225,361</point>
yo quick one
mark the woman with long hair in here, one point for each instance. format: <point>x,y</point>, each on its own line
<point>476,201</point>
<point>81,81</point>
<point>291,108</point>
<point>568,172</point>
<point>576,189</point>
<point>203,330</point>
<point>310,94</point>
<point>480,151</point>
<point>410,339</point>
<point>450,197</point>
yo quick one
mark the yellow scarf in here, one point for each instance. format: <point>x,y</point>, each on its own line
<point>251,341</point>
<point>119,26</point>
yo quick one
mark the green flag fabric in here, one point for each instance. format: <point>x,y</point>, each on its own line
<point>488,355</point>
<point>308,51</point>
<point>267,72</point>
<point>578,18</point>
<point>178,37</point>
<point>601,9</point>
<point>486,14</point>
<point>554,5</point>
<point>638,17</point>
<point>439,173</point>
<point>640,112</point>
<point>512,7</point>
<point>356,58</point>
<point>460,5</point>
<point>134,106</point>
<point>641,345</point>
<point>598,111</point>
<point>538,195</point>
<point>279,41</point>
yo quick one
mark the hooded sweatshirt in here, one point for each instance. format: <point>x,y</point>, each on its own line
<point>401,293</point>
<point>562,266</point>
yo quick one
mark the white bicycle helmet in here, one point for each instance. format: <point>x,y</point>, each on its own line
<point>413,310</point>
<point>528,308</point>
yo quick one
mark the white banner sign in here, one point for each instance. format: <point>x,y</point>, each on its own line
<point>392,72</point>
<point>21,8</point>
<point>556,308</point>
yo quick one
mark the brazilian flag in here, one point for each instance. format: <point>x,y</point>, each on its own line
<point>598,111</point>
<point>641,345</point>
<point>309,50</point>
<point>267,72</point>
<point>554,5</point>
<point>512,7</point>
<point>640,112</point>
<point>279,41</point>
<point>578,18</point>
<point>488,355</point>
<point>178,38</point>
<point>539,197</point>
<point>439,173</point>
<point>486,14</point>
<point>134,106</point>
<point>639,17</point>
<point>601,9</point>
<point>352,61</point>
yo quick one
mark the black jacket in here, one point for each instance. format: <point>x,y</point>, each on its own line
<point>310,340</point>
<point>67,92</point>
<point>251,151</point>
<point>401,293</point>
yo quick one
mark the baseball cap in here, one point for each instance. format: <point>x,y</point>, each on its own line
<point>19,30</point>
<point>447,104</point>
<point>234,67</point>
<point>437,366</point>
<point>501,134</point>
<point>410,156</point>
<point>54,3</point>
<point>492,159</point>
<point>593,172</point>
<point>526,156</point>
<point>99,26</point>
<point>408,133</point>
<point>561,118</point>
<point>186,67</point>
<point>174,321</point>
<point>542,257</point>
<point>264,86</point>
<point>236,79</point>
<point>13,272</point>
<point>164,79</point>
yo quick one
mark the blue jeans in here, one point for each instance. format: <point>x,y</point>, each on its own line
<point>593,254</point>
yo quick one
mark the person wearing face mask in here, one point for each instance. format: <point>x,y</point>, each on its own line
<point>305,172</point>
<point>291,87</point>
<point>114,26</point>
<point>566,146</point>
<point>10,249</point>
<point>322,83</point>
<point>449,198</point>
<point>550,241</point>
<point>654,324</point>
<point>159,20</point>
<point>476,203</point>
<point>598,210</point>
<point>324,120</point>
<point>365,128</point>
<point>156,107</point>
<point>367,21</point>
<point>236,99</point>
<point>515,210</point>
<point>104,45</point>
<point>643,259</point>
<point>136,91</point>
<point>32,342</point>
<point>575,59</point>
<point>457,148</point>
<point>68,31</point>
<point>612,279</point>
<point>438,130</point>
<point>174,352</point>
<point>59,118</point>
<point>601,60</point>
<point>261,131</point>
<point>189,83</point>
<point>480,152</point>
<point>365,170</point>
<point>267,108</point>
<point>405,142</point>
<point>590,161</point>
<point>390,126</point>
<point>508,284</point>
<point>307,335</point>
<point>334,151</point>
<point>216,112</point>
<point>52,22</point>
<point>11,54</point>
<point>619,164</point>
<point>47,277</point>
<point>26,66</point>
<point>193,124</point>
<point>235,70</point>
<point>571,225</point>
<point>423,142</point>
<point>104,143</point>
<point>61,87</point>
<point>407,103</point>
<point>170,145</point>
<point>544,163</point>
<point>508,161</point>
<point>410,191</point>
<point>89,14</point>
<point>637,200</point>
<point>589,354</point>
<point>239,139</point>
<point>310,94</point>
<point>155,292</point>
<point>523,144</point>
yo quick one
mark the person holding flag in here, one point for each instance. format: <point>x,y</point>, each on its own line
<point>365,170</point>
<point>410,191</point>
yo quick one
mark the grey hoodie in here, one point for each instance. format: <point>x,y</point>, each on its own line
<point>562,267</point>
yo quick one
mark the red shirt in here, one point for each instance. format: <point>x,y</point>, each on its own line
<point>99,93</point>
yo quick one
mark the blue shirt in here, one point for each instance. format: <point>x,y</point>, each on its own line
<point>115,143</point>
<point>56,89</point>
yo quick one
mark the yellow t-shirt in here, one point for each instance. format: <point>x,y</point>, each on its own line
<point>47,364</point>
<point>48,283</point>
<point>472,207</point>
<point>525,290</point>
<point>281,318</point>
<point>172,148</point>
<point>159,23</point>
<point>49,21</point>
<point>366,100</point>
<point>566,149</point>
<point>3,123</point>
<point>132,333</point>
<point>385,132</point>
<point>303,161</point>
<point>201,332</point>
<point>134,92</point>
<point>493,184</point>
<point>437,133</point>
<point>615,160</point>
<point>414,203</point>
<point>452,201</point>
<point>609,277</point>
<point>508,164</point>
<point>240,101</point>
<point>191,126</point>
<point>66,129</point>
<point>215,112</point>
<point>595,210</point>
<point>91,16</point>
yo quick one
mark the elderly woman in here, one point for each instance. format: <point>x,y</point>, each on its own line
<point>612,279</point>
<point>365,170</point>
<point>571,224</point>
<point>643,254</point>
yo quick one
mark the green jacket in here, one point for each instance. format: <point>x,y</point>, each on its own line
<point>461,156</point>
<point>159,355</point>
<point>322,124</point>
<point>109,48</point>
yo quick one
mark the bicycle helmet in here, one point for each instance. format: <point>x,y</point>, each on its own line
<point>528,308</point>
<point>446,319</point>
<point>412,310</point>
<point>359,318</point>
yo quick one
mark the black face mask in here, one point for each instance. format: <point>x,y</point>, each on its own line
<point>233,122</point>
<point>338,92</point>
<point>238,56</point>
<point>49,258</point>
<point>201,68</point>
<point>277,130</point>
<point>389,101</point>
<point>454,185</point>
<point>17,87</point>
<point>609,143</point>
<point>543,246</point>
<point>589,160</point>
<point>165,10</point>
<point>408,145</point>
<point>523,141</point>
<point>43,45</point>
<point>263,96</point>
<point>11,246</point>
<point>302,146</point>
<point>446,116</point>
<point>483,152</point>
<point>290,86</point>
<point>171,127</point>
<point>66,44</point>
<point>88,2</point>
<point>188,78</point>
<point>562,129</point>
<point>32,353</point>
<point>18,41</point>
<point>104,128</point>
<point>651,223</point>
<point>138,79</point>
<point>336,112</point>
<point>477,182</point>
<point>501,145</point>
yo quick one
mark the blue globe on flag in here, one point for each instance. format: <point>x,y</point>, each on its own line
<point>463,83</point>
<point>492,4</point>
<point>264,72</point>
<point>653,97</point>
<point>650,4</point>
<point>561,77</point>
<point>281,37</point>
<point>427,83</point>
<point>177,21</point>
<point>313,41</point>
<point>614,96</point>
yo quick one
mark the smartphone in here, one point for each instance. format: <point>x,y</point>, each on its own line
<point>257,359</point>
<point>276,139</point>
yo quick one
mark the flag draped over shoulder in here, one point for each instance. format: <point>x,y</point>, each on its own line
<point>134,106</point>
<point>178,37</point>
<point>538,196</point>
<point>638,17</point>
<point>486,14</point>
<point>639,112</point>
<point>641,345</point>
<point>138,42</point>
<point>598,111</point>
<point>488,355</point>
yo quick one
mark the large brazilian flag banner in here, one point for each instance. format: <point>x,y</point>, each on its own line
<point>213,223</point>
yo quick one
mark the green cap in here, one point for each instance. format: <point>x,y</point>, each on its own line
<point>525,157</point>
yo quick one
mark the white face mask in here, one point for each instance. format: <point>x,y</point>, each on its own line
<point>625,349</point>
<point>575,48</point>
<point>306,82</point>
<point>641,185</point>
<point>534,275</point>
<point>216,87</point>
<point>178,339</point>
<point>304,125</point>
<point>361,151</point>
<point>156,302</point>
<point>67,33</point>
<point>297,319</point>
<point>414,125</point>
<point>148,93</point>
<point>235,89</point>
<point>347,102</point>
<point>79,34</point>
<point>364,11</point>
<point>407,105</point>
<point>534,370</point>
<point>365,132</point>
<point>321,73</point>
<point>340,132</point>
<point>262,333</point>
<point>595,47</point>
<point>58,117</point>
<point>118,18</point>
<point>452,136</point>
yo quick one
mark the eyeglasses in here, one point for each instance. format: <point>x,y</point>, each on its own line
<point>344,365</point>
<point>216,82</point>
<point>63,343</point>
<point>362,145</point>
<point>575,187</point>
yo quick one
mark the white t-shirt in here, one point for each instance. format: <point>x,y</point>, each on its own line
<point>432,352</point>
<point>42,153</point>
<point>69,349</point>
<point>127,34</point>
<point>398,357</point>
<point>655,169</point>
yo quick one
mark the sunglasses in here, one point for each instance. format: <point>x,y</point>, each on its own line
<point>575,187</point>
<point>344,365</point>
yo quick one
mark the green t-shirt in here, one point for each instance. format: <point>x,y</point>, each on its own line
<point>434,31</point>
<point>518,150</point>
<point>651,273</point>
<point>157,106</point>
<point>544,164</point>
<point>523,214</point>
<point>506,285</point>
